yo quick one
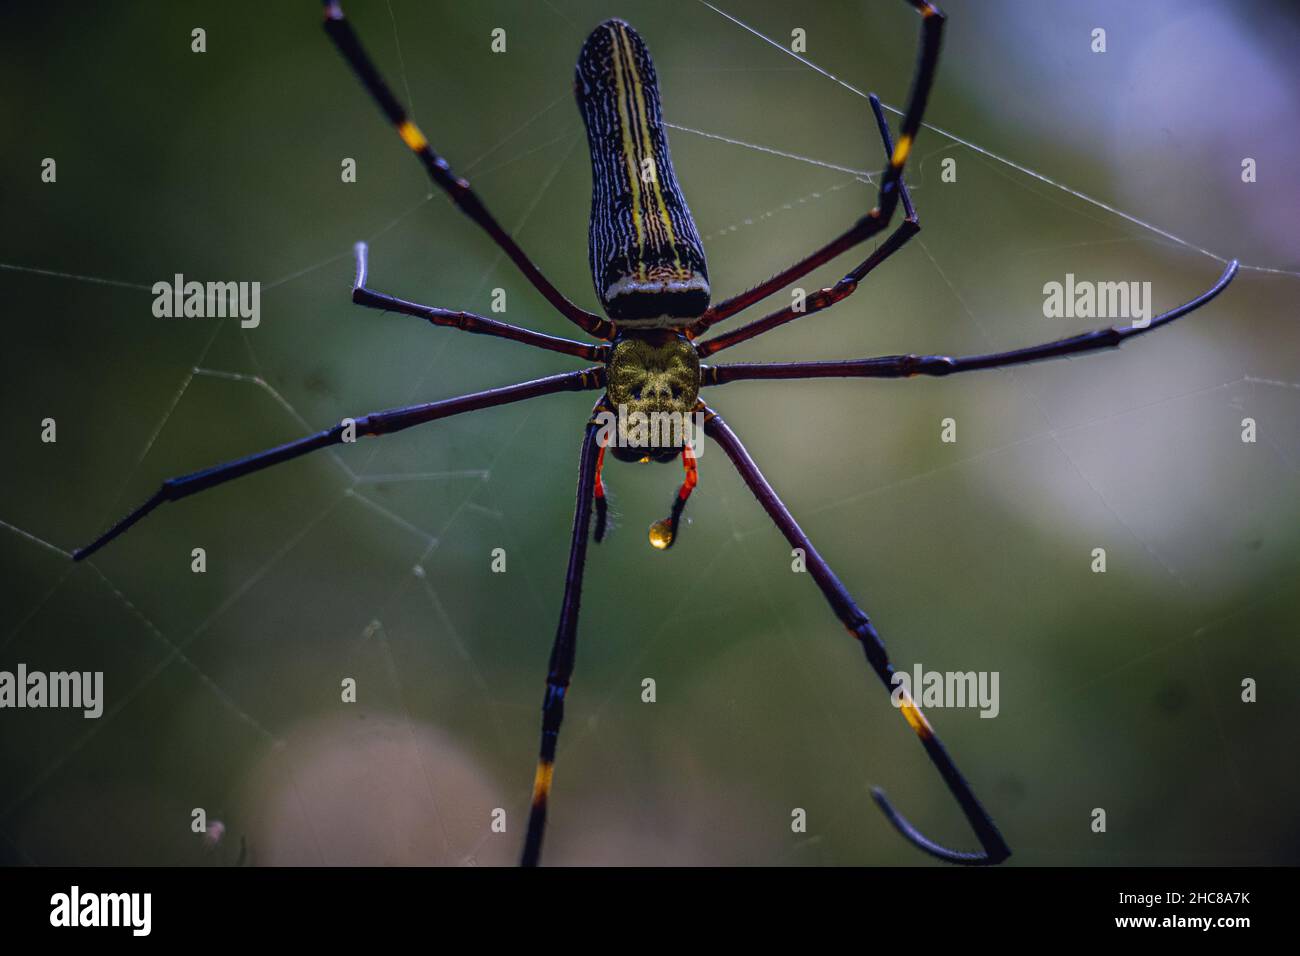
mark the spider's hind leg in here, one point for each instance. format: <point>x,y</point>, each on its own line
<point>845,287</point>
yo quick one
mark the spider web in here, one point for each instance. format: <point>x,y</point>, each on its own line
<point>373,563</point>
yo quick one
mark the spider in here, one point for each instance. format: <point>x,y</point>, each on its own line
<point>649,270</point>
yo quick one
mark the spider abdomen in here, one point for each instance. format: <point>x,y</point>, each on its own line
<point>647,260</point>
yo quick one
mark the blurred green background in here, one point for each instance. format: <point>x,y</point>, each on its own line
<point>1118,690</point>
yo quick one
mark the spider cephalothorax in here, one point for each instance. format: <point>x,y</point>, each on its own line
<point>653,378</point>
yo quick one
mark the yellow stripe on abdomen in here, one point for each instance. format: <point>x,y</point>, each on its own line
<point>647,147</point>
<point>629,154</point>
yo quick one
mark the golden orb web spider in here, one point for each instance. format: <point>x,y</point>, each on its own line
<point>651,277</point>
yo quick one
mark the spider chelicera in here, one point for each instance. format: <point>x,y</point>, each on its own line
<point>649,270</point>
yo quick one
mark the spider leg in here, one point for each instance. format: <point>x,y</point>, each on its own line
<point>845,287</point>
<point>995,849</point>
<point>465,321</point>
<point>891,191</point>
<point>905,366</point>
<point>564,649</point>
<point>376,423</point>
<point>345,39</point>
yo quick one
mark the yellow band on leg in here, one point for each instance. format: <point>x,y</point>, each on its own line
<point>915,719</point>
<point>412,136</point>
<point>901,149</point>
<point>542,781</point>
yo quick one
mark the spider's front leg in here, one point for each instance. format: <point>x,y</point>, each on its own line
<point>564,650</point>
<point>994,847</point>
